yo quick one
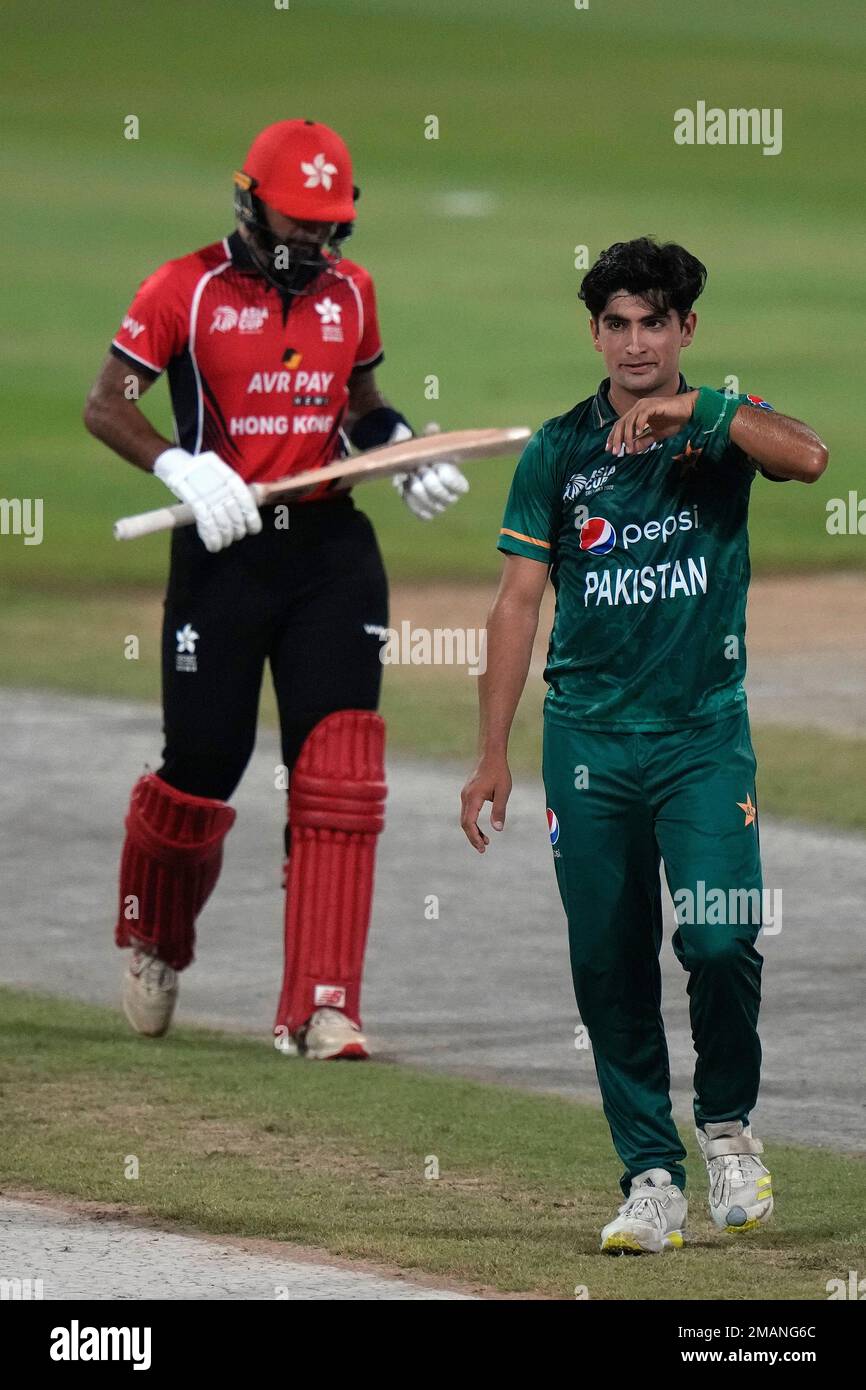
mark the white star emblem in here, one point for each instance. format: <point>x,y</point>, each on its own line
<point>186,638</point>
<point>320,172</point>
<point>328,310</point>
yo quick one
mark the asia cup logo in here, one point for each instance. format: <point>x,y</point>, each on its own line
<point>224,318</point>
<point>574,487</point>
<point>598,479</point>
<point>552,826</point>
<point>597,536</point>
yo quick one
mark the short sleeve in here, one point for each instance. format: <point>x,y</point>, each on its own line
<point>759,403</point>
<point>716,448</point>
<point>530,522</point>
<point>155,327</point>
<point>369,352</point>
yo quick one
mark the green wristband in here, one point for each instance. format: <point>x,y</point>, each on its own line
<point>714,412</point>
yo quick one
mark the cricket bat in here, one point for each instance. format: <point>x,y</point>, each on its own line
<point>460,446</point>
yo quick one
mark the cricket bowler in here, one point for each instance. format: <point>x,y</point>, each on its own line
<point>270,339</point>
<point>635,503</point>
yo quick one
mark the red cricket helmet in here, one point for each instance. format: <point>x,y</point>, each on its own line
<point>304,170</point>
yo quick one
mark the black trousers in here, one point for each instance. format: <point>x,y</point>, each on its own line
<point>310,600</point>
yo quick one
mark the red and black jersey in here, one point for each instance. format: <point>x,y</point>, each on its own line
<point>259,377</point>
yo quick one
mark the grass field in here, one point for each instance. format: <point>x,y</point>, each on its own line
<point>233,1139</point>
<point>52,641</point>
<point>538,114</point>
<point>555,132</point>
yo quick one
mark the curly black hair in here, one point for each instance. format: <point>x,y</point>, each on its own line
<point>667,277</point>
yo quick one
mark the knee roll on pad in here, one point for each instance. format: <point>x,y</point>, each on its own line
<point>336,814</point>
<point>171,861</point>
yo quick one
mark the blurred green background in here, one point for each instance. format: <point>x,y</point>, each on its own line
<point>556,130</point>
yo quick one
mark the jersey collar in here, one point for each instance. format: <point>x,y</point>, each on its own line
<point>603,412</point>
<point>238,254</point>
<point>236,250</point>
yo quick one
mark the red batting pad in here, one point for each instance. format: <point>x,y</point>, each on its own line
<point>336,814</point>
<point>171,861</point>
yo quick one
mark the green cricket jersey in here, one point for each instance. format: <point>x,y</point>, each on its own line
<point>649,557</point>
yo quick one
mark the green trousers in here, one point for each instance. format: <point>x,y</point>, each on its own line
<point>618,803</point>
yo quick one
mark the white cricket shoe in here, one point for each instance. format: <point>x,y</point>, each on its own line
<point>149,994</point>
<point>651,1219</point>
<point>741,1189</point>
<point>326,1036</point>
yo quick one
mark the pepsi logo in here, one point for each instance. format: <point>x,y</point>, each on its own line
<point>759,401</point>
<point>597,536</point>
<point>553,826</point>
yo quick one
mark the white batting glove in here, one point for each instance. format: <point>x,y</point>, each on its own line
<point>431,489</point>
<point>225,509</point>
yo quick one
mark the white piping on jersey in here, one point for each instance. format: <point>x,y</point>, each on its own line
<point>193,325</point>
<point>356,292</point>
<point>143,360</point>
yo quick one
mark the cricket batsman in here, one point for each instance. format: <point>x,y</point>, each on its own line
<point>271,342</point>
<point>635,503</point>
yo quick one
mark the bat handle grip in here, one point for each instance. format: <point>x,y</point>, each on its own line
<point>129,528</point>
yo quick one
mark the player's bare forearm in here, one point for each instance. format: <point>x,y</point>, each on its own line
<point>115,419</point>
<point>781,445</point>
<point>784,447</point>
<point>364,396</point>
<point>511,629</point>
